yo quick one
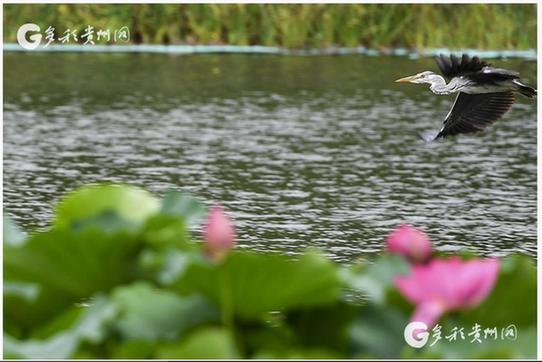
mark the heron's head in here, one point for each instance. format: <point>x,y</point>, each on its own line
<point>423,77</point>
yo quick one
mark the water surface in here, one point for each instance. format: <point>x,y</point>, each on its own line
<point>302,151</point>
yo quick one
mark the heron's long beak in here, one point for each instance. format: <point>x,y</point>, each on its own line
<point>406,79</point>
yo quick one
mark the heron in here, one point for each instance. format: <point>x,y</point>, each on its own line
<point>484,93</point>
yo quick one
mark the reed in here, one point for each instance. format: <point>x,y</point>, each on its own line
<point>482,26</point>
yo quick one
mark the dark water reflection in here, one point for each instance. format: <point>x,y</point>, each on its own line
<point>303,151</point>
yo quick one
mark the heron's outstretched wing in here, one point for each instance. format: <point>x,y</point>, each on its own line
<point>492,75</point>
<point>474,112</point>
<point>452,67</point>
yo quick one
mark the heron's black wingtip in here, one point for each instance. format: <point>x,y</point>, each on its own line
<point>527,91</point>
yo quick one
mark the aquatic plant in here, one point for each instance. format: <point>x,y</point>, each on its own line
<point>445,285</point>
<point>218,233</point>
<point>480,26</point>
<point>120,274</point>
<point>409,242</point>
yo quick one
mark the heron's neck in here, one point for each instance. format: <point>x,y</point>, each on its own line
<point>439,86</point>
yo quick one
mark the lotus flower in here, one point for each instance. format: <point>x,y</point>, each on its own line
<point>218,233</point>
<point>445,285</point>
<point>409,242</point>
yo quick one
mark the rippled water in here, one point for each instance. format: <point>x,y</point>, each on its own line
<point>302,151</point>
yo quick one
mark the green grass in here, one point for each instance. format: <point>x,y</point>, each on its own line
<point>481,26</point>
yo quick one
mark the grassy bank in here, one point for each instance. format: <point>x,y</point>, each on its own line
<point>482,26</point>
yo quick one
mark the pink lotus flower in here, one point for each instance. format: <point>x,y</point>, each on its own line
<point>409,242</point>
<point>218,233</point>
<point>445,285</point>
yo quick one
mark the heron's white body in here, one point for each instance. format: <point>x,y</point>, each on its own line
<point>464,85</point>
<point>473,88</point>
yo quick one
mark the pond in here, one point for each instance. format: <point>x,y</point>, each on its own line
<point>317,151</point>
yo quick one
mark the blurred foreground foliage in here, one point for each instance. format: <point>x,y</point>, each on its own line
<point>119,275</point>
<point>481,26</point>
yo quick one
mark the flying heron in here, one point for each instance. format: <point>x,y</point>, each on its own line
<point>485,93</point>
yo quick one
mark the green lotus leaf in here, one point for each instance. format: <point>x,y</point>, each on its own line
<point>250,284</point>
<point>147,313</point>
<point>130,203</point>
<point>89,325</point>
<point>208,343</point>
